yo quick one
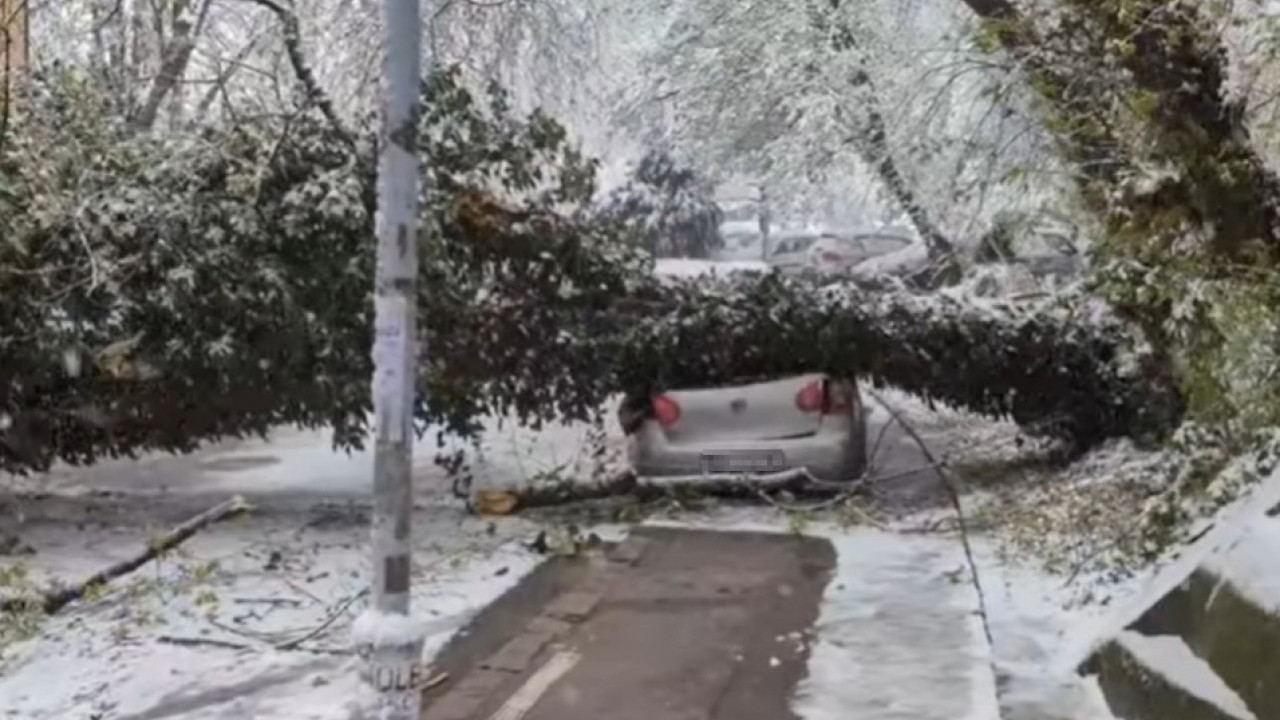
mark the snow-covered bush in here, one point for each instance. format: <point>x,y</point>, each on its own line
<point>164,291</point>
<point>670,208</point>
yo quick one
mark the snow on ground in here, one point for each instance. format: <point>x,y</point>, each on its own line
<point>1249,561</point>
<point>1036,624</point>
<point>899,635</point>
<point>691,268</point>
<point>199,634</point>
<point>196,634</point>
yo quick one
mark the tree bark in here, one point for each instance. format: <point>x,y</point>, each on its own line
<point>874,147</point>
<point>872,143</point>
<point>175,55</point>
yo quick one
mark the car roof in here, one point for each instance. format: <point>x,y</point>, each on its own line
<point>796,235</point>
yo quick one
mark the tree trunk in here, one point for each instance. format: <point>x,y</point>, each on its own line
<point>874,148</point>
<point>1140,84</point>
<point>175,55</point>
<point>872,142</point>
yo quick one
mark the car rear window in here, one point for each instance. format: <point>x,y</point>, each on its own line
<point>883,244</point>
<point>794,244</point>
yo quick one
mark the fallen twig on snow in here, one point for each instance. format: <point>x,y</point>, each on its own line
<point>54,600</point>
<point>938,525</point>
<point>328,621</point>
<point>787,507</point>
<point>293,602</point>
<point>848,490</point>
<point>797,481</point>
<point>202,642</point>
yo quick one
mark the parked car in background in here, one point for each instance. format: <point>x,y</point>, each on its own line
<point>833,252</point>
<point>1051,253</point>
<point>738,235</point>
<point>789,250</point>
<point>810,422</point>
<point>836,253</point>
<point>741,228</point>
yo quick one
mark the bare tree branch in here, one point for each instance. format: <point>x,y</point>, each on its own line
<point>224,75</point>
<point>293,46</point>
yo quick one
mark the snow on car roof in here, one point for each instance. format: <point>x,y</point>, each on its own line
<point>691,268</point>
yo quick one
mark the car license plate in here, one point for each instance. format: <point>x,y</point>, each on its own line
<point>743,461</point>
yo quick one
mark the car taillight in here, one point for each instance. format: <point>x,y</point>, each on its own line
<point>830,257</point>
<point>666,410</point>
<point>811,397</point>
<point>839,399</point>
<point>826,398</point>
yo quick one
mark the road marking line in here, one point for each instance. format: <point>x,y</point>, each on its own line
<point>536,686</point>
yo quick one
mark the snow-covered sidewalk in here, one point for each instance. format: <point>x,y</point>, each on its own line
<point>250,620</point>
<point>251,617</point>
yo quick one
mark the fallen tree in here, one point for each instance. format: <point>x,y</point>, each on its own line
<point>164,292</point>
<point>1043,366</point>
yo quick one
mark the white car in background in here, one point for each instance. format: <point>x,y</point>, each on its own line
<point>833,252</point>
<point>789,250</point>
<point>740,235</point>
<point>812,422</point>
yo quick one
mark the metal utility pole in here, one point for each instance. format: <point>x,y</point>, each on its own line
<point>386,635</point>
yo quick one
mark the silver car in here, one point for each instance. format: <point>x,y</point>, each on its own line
<point>810,421</point>
<point>789,251</point>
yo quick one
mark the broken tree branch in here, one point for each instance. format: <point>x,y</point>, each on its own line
<point>797,481</point>
<point>58,598</point>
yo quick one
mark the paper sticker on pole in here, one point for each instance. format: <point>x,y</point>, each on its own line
<point>392,365</point>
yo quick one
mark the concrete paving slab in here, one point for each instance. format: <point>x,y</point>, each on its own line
<point>716,625</point>
<point>689,632</point>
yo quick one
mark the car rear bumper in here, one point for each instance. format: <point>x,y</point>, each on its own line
<point>830,455</point>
